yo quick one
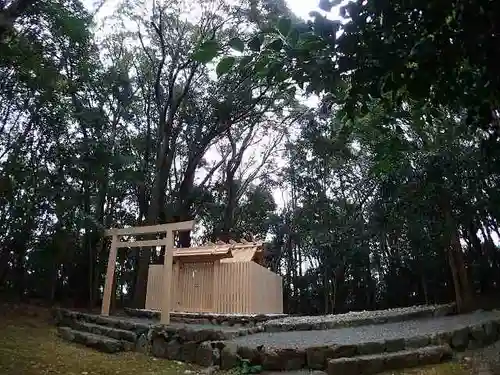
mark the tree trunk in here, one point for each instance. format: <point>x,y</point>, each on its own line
<point>463,291</point>
<point>424,289</point>
<point>154,209</point>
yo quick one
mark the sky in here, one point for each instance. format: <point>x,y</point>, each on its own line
<point>302,7</point>
<point>299,7</point>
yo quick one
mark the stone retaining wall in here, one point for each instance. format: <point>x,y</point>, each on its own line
<point>243,320</point>
<point>227,355</point>
<point>355,319</point>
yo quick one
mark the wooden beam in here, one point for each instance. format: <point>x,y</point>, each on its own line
<point>158,242</point>
<point>202,258</point>
<point>167,278</point>
<point>176,227</point>
<point>110,274</point>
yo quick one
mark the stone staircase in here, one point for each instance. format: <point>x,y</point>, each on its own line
<point>100,342</point>
<point>106,334</point>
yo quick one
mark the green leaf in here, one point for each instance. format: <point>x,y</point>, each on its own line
<point>256,43</point>
<point>237,44</point>
<point>276,45</point>
<point>293,37</point>
<point>261,66</point>
<point>284,26</point>
<point>225,65</point>
<point>292,91</point>
<point>245,61</point>
<point>206,51</point>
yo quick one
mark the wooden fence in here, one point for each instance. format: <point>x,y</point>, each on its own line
<point>240,287</point>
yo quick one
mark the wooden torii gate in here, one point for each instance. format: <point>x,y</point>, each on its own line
<point>167,241</point>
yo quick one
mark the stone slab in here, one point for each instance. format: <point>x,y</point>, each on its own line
<point>98,342</point>
<point>372,364</point>
<point>115,333</point>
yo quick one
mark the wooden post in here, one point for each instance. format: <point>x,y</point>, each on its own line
<point>110,274</point>
<point>167,277</point>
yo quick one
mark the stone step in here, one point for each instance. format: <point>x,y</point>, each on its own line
<point>290,357</point>
<point>375,363</point>
<point>101,343</point>
<point>142,313</point>
<point>114,333</point>
<point>65,317</point>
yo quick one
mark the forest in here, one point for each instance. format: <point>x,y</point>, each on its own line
<point>362,144</point>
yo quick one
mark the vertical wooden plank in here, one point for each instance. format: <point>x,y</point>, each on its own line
<point>110,274</point>
<point>154,289</point>
<point>265,293</point>
<point>150,292</point>
<point>181,295</point>
<point>158,285</point>
<point>226,287</point>
<point>248,281</point>
<point>230,290</point>
<point>216,287</point>
<point>237,287</point>
<point>258,290</point>
<point>245,283</point>
<point>210,286</point>
<point>241,285</point>
<point>222,288</point>
<point>255,290</point>
<point>167,277</point>
<point>236,269</point>
<point>175,287</point>
<point>281,294</point>
<point>250,290</point>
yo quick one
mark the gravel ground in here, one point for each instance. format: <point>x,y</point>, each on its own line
<point>370,333</point>
<point>358,315</point>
